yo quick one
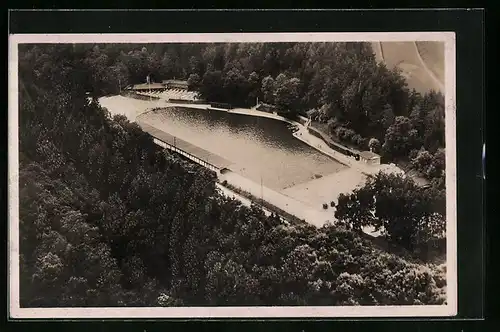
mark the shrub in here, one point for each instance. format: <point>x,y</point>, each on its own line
<point>340,132</point>
<point>363,143</point>
<point>374,145</point>
<point>333,124</point>
<point>422,161</point>
<point>349,134</point>
<point>413,154</point>
<point>325,206</point>
<point>357,139</point>
<point>332,204</point>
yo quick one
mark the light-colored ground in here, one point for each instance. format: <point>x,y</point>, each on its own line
<point>304,200</point>
<point>432,53</point>
<point>377,49</point>
<point>327,189</point>
<point>422,65</point>
<point>129,107</point>
<point>231,194</point>
<point>302,210</point>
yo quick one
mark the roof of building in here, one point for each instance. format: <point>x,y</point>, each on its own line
<point>146,86</point>
<point>368,155</point>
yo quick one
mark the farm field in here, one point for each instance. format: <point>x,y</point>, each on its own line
<point>421,64</point>
<point>433,55</point>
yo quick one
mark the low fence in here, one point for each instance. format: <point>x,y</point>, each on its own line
<point>184,101</point>
<point>187,155</point>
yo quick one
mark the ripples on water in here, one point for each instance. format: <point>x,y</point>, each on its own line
<point>258,147</point>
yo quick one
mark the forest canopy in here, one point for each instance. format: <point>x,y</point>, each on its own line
<point>107,218</point>
<point>355,98</point>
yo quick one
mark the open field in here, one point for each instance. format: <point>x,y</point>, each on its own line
<point>327,188</point>
<point>421,64</point>
<point>433,55</point>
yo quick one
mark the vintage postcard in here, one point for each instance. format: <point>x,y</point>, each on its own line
<point>239,175</point>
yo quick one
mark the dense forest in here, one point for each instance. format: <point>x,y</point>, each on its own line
<point>353,99</point>
<point>109,219</point>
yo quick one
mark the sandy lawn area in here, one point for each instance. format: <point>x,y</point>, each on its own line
<point>326,189</point>
<point>314,215</point>
<point>432,52</point>
<point>129,107</point>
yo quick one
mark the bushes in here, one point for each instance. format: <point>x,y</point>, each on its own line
<point>421,161</point>
<point>374,145</point>
<point>327,140</point>
<point>266,108</point>
<point>350,136</point>
<point>408,215</point>
<point>127,225</point>
<point>263,203</point>
<point>359,141</point>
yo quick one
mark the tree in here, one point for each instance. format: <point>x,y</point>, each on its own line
<point>287,93</point>
<point>407,214</point>
<point>195,65</point>
<point>400,138</point>
<point>436,168</point>
<point>109,219</point>
<point>422,161</point>
<point>374,145</point>
<point>194,82</point>
<point>429,165</point>
<point>387,117</point>
<point>165,300</point>
<point>268,89</point>
<point>355,210</point>
<point>325,113</point>
<point>254,87</point>
<point>235,86</point>
<point>350,288</point>
<point>211,87</point>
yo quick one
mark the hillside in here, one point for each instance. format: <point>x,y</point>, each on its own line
<point>107,218</point>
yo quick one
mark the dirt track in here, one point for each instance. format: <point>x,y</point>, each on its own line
<point>421,63</point>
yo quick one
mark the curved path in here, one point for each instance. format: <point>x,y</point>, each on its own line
<point>429,72</point>
<point>133,108</point>
<point>406,56</point>
<point>295,201</point>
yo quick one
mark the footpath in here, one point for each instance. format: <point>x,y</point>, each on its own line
<point>299,207</point>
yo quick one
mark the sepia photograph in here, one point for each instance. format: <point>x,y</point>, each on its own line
<point>232,175</point>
